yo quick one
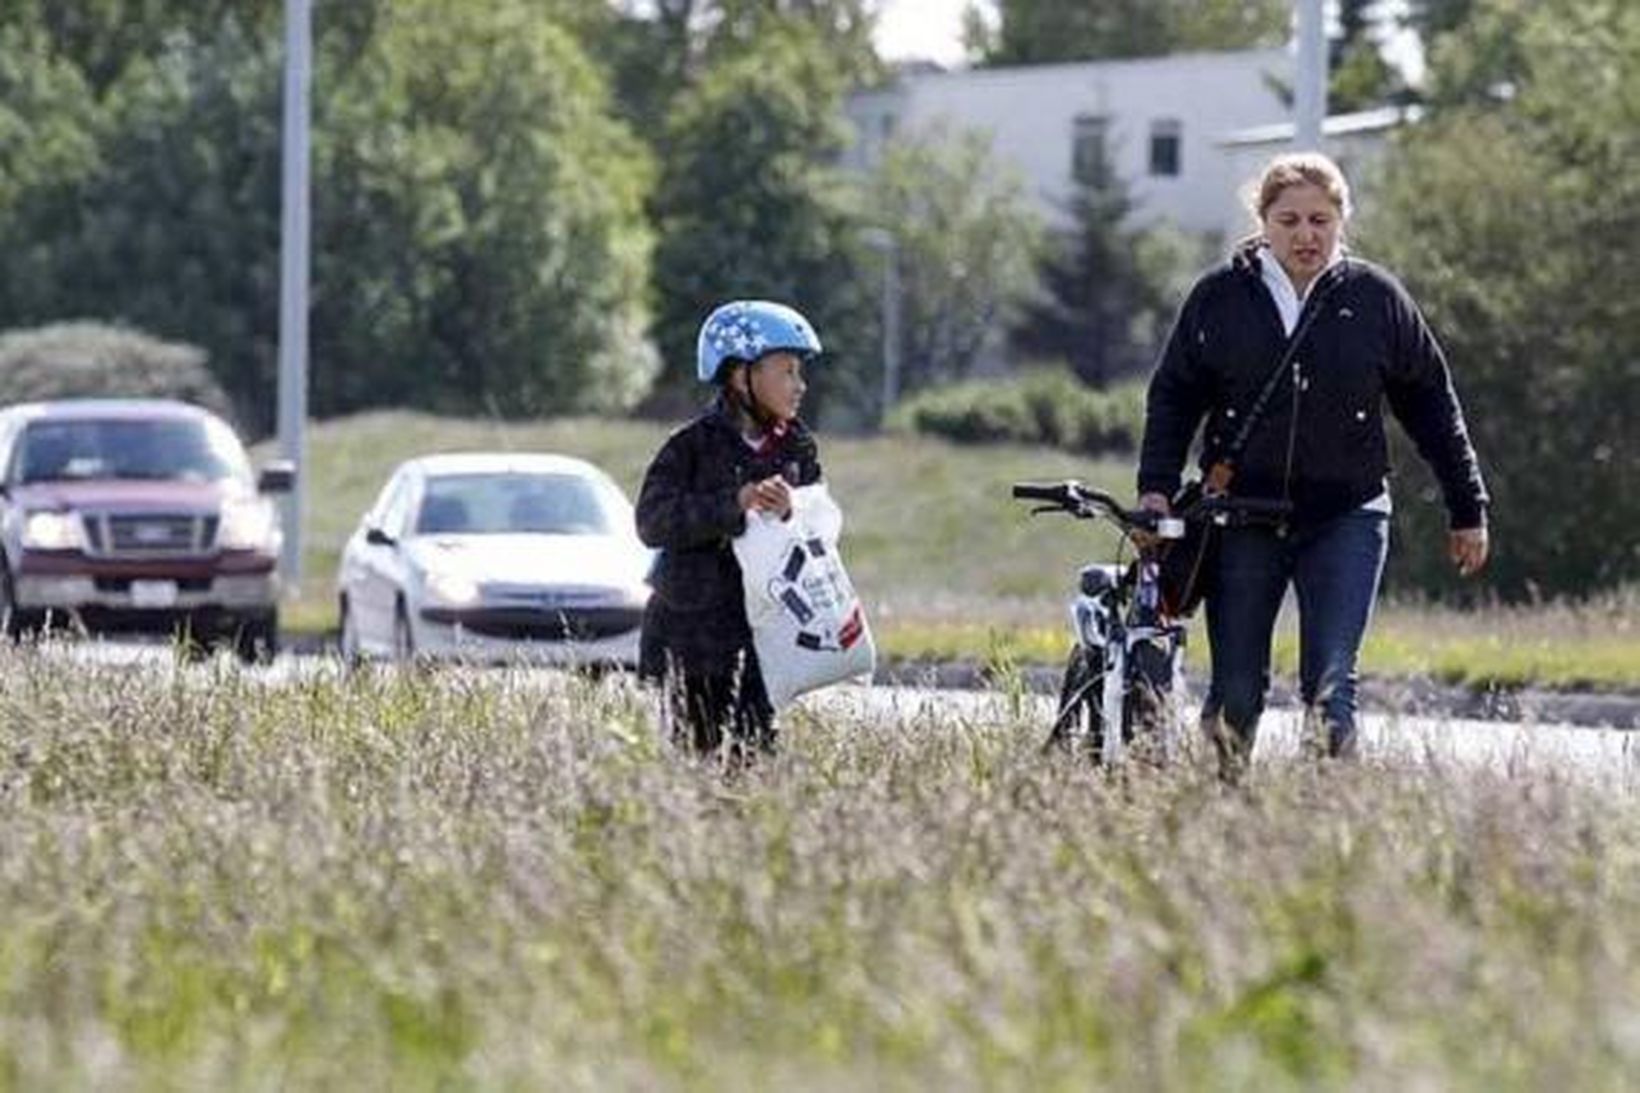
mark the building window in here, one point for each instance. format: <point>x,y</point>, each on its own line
<point>1088,158</point>
<point>1165,157</point>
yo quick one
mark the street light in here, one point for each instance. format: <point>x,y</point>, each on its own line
<point>293,274</point>
<point>882,241</point>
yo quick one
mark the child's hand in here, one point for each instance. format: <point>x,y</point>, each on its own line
<point>771,495</point>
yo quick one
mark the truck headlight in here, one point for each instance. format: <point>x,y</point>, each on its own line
<point>248,525</point>
<point>53,531</point>
<point>453,589</point>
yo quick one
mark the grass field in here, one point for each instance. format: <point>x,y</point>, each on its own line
<point>420,881</point>
<point>950,565</point>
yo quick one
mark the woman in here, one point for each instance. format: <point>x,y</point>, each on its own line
<point>745,452</point>
<point>1357,342</point>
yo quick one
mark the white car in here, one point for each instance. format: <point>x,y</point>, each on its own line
<point>496,556</point>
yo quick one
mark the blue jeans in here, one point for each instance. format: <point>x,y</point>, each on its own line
<point>1334,569</point>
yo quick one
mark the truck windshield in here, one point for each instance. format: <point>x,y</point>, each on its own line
<point>163,450</point>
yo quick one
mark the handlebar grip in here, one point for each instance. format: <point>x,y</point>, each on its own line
<point>1036,491</point>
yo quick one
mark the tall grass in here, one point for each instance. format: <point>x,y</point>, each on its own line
<point>212,880</point>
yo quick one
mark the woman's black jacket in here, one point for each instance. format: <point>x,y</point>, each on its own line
<point>689,509</point>
<point>1366,346</point>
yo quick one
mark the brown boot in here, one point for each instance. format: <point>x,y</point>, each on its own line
<point>1233,747</point>
<point>1326,739</point>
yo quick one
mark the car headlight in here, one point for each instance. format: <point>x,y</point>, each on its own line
<point>248,525</point>
<point>53,531</point>
<point>453,589</point>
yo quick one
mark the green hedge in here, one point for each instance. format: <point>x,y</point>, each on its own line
<point>1042,406</point>
<point>93,360</point>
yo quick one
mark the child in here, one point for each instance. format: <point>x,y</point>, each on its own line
<point>745,452</point>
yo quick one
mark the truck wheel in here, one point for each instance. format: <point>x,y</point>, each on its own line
<point>256,640</point>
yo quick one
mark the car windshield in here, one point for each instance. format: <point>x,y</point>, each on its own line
<point>152,450</point>
<point>513,503</point>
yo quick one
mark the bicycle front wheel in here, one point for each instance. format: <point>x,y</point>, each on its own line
<point>1079,724</point>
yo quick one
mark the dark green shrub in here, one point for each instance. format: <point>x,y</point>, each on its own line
<point>1042,406</point>
<point>94,360</point>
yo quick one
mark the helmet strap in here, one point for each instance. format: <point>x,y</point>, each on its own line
<point>748,404</point>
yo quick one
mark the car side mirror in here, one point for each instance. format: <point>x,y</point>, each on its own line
<point>277,477</point>
<point>377,537</point>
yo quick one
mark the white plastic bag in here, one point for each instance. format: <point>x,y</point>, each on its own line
<point>808,626</point>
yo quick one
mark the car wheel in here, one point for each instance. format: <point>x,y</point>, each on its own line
<point>404,637</point>
<point>351,652</point>
<point>10,621</point>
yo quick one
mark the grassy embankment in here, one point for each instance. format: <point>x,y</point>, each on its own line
<point>953,568</point>
<point>432,880</point>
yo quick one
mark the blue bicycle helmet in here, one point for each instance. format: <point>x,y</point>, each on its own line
<point>747,330</point>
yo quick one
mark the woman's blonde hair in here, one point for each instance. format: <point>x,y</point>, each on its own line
<point>1298,169</point>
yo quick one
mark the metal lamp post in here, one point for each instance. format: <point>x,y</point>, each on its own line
<point>1310,90</point>
<point>882,240</point>
<point>293,274</point>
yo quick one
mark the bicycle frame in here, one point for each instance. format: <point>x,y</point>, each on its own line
<point>1108,627</point>
<point>1115,615</point>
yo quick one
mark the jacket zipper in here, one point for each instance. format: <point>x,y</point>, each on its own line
<point>1292,440</point>
<point>1300,329</point>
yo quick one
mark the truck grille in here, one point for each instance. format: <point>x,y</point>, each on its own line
<point>150,535</point>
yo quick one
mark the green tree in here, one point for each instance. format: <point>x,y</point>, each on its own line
<point>526,231</point>
<point>1511,220</point>
<point>48,123</point>
<point>1360,75</point>
<point>1109,286</point>
<point>966,239</point>
<point>1043,31</point>
<point>656,49</point>
<point>172,232</point>
<point>479,241</point>
<point>1430,19</point>
<point>751,204</point>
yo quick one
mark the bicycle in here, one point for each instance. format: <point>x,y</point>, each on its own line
<point>1123,667</point>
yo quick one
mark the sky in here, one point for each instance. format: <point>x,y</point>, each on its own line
<point>929,29</point>
<point>932,30</point>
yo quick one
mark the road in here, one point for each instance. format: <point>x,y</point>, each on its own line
<point>1611,755</point>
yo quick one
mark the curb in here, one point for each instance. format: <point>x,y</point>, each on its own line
<point>1412,696</point>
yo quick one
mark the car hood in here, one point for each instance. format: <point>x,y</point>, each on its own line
<point>603,561</point>
<point>129,494</point>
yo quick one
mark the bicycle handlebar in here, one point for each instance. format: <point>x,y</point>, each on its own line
<point>1084,502</point>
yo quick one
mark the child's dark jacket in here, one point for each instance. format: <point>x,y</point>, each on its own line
<point>689,509</point>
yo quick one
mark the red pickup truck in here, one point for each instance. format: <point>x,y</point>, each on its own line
<point>137,515</point>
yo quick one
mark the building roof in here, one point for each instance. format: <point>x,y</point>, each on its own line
<point>1380,120</point>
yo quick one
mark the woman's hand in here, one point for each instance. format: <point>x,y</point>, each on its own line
<point>1159,504</point>
<point>1468,548</point>
<point>771,495</point>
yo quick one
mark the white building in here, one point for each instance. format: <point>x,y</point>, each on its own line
<point>1160,122</point>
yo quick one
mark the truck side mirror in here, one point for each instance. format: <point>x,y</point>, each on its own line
<point>277,477</point>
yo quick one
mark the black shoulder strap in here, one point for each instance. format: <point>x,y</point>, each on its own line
<point>1268,390</point>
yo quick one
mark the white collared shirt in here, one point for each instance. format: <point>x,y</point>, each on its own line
<point>1287,300</point>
